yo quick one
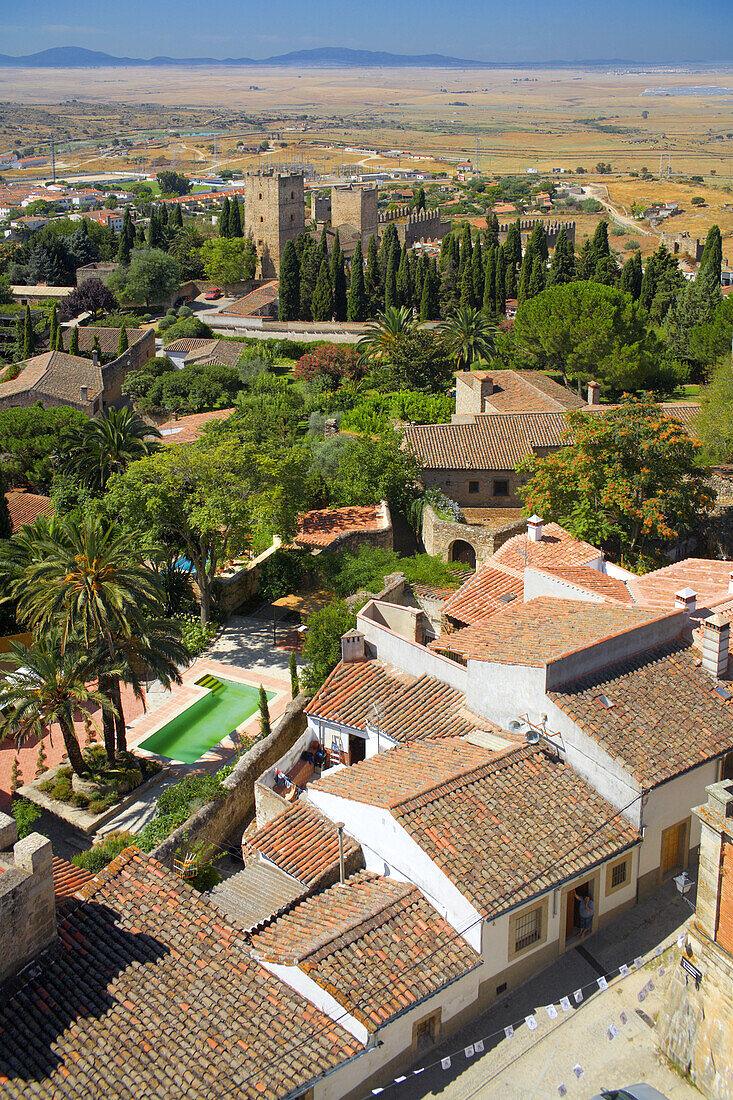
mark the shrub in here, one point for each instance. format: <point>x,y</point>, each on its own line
<point>170,312</point>
<point>47,785</point>
<point>62,790</point>
<point>196,637</point>
<point>334,362</point>
<point>206,878</point>
<point>165,323</point>
<point>79,800</point>
<point>176,804</point>
<point>187,326</point>
<point>96,806</point>
<point>25,813</point>
<point>184,311</point>
<point>96,859</point>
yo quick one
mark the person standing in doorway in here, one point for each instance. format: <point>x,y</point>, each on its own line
<point>586,914</point>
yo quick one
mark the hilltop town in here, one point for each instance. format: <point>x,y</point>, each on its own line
<point>366,586</point>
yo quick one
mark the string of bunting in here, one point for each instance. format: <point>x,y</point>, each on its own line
<point>566,1004</point>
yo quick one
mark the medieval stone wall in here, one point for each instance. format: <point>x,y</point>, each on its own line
<point>274,213</point>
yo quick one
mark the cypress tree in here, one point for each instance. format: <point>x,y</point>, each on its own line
<point>417,284</point>
<point>53,327</point>
<point>420,200</point>
<point>600,243</point>
<point>373,286</point>
<point>430,298</point>
<point>389,239</point>
<point>6,526</point>
<point>223,223</point>
<point>492,231</point>
<point>97,348</point>
<point>537,278</point>
<point>525,274</point>
<point>74,341</point>
<point>289,289</point>
<point>489,294</point>
<point>249,259</point>
<point>466,299</point>
<point>585,265</point>
<point>153,232</point>
<point>538,241</point>
<point>515,231</point>
<point>340,302</point>
<point>390,281</point>
<point>322,249</point>
<point>265,728</point>
<point>711,260</point>
<point>322,304</point>
<point>59,345</point>
<point>477,274</point>
<point>445,247</point>
<point>562,266</point>
<point>449,290</point>
<point>140,235</point>
<point>357,307</point>
<point>466,247</point>
<point>404,281</point>
<point>176,217</point>
<point>511,289</point>
<point>29,340</point>
<point>455,251</point>
<point>308,276</point>
<point>123,343</point>
<point>335,253</point>
<point>425,299</point>
<point>235,219</point>
<point>293,668</point>
<point>500,283</point>
<point>124,248</point>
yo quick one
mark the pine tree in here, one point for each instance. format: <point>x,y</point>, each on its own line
<point>235,219</point>
<point>390,281</point>
<point>265,728</point>
<point>41,760</point>
<point>74,341</point>
<point>294,683</point>
<point>308,276</point>
<point>467,299</point>
<point>29,340</point>
<point>322,304</point>
<point>492,231</point>
<point>562,266</point>
<point>223,224</point>
<point>6,525</point>
<point>477,274</point>
<point>538,277</point>
<point>373,287</point>
<point>123,343</point>
<point>357,306</point>
<point>340,298</point>
<point>53,327</point>
<point>16,776</point>
<point>289,289</point>
<point>712,254</point>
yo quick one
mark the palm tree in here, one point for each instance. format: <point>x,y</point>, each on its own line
<point>49,685</point>
<point>468,335</point>
<point>382,335</point>
<point>107,445</point>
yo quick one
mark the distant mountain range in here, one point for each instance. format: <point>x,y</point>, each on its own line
<point>66,57</point>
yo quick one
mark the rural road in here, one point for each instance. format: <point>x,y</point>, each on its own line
<point>596,191</point>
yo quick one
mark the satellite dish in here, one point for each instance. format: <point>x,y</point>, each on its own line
<point>515,725</point>
<point>531,736</point>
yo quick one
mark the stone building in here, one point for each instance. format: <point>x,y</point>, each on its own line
<point>27,906</point>
<point>695,1026</point>
<point>356,206</point>
<point>274,213</point>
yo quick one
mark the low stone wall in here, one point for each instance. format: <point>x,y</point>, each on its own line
<point>439,535</point>
<point>230,592</point>
<point>218,820</point>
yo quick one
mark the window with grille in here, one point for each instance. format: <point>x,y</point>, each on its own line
<point>425,1032</point>
<point>501,488</point>
<point>528,929</point>
<point>619,874</point>
<point>473,486</point>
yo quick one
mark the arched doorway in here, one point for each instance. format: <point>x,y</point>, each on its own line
<point>462,552</point>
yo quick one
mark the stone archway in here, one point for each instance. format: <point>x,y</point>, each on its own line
<point>462,551</point>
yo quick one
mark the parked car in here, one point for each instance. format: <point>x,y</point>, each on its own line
<point>213,294</point>
<point>631,1092</point>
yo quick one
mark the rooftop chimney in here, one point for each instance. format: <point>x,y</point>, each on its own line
<point>715,646</point>
<point>594,393</point>
<point>352,647</point>
<point>95,358</point>
<point>685,600</point>
<point>534,528</point>
<point>85,393</point>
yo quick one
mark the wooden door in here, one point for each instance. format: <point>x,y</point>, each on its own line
<point>672,840</point>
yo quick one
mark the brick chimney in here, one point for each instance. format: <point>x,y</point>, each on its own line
<point>95,358</point>
<point>534,528</point>
<point>27,905</point>
<point>353,648</point>
<point>85,393</point>
<point>594,393</point>
<point>685,600</point>
<point>715,646</point>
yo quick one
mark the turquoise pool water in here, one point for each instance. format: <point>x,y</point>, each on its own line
<point>206,722</point>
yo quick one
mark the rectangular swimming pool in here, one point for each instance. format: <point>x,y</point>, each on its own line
<point>206,722</point>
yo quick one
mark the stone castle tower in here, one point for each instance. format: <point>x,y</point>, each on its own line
<point>357,206</point>
<point>274,213</point>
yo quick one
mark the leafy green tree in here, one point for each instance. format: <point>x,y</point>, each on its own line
<point>357,305</point>
<point>289,290</point>
<point>223,260</point>
<point>714,424</point>
<point>173,183</point>
<point>235,219</point>
<point>322,304</point>
<point>374,469</point>
<point>30,440</point>
<point>468,336</point>
<point>322,647</point>
<point>630,481</point>
<point>152,276</point>
<point>562,267</point>
<point>589,332</point>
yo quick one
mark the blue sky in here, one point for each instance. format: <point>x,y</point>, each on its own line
<point>490,30</point>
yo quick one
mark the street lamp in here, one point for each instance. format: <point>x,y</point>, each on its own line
<point>684,884</point>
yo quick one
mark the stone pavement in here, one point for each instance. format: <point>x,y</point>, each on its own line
<point>246,641</point>
<point>533,1064</point>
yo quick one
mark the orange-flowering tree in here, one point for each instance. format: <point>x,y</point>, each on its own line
<point>630,480</point>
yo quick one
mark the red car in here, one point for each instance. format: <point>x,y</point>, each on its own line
<point>213,294</point>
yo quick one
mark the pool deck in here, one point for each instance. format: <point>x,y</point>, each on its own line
<point>188,692</point>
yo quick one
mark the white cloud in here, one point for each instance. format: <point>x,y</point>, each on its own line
<point>62,28</point>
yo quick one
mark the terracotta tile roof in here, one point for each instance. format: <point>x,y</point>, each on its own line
<point>496,442</point>
<point>687,413</point>
<point>601,584</point>
<point>109,339</point>
<point>513,827</point>
<point>190,343</point>
<point>403,771</point>
<point>150,992</point>
<point>707,577</point>
<point>187,429</point>
<point>67,879</point>
<point>256,299</point>
<point>324,526</point>
<point>556,547</point>
<point>541,630</point>
<point>485,593</point>
<point>665,717</point>
<point>522,392</point>
<point>413,708</point>
<point>302,841</point>
<point>26,507</point>
<point>226,353</point>
<point>56,374</point>
<point>376,945</point>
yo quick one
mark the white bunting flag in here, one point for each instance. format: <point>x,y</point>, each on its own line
<point>649,987</point>
<point>562,1090</point>
<point>578,996</point>
<point>681,940</point>
<point>376,1092</point>
<point>638,962</point>
<point>624,971</point>
<point>565,1004</point>
<point>509,1032</point>
<point>624,1019</point>
<point>579,1072</point>
<point>445,1063</point>
<point>417,1072</point>
<point>551,1012</point>
<point>399,1080</point>
<point>478,1046</point>
<point>658,951</point>
<point>612,1031</point>
<point>531,1023</point>
<point>661,970</point>
<point>602,983</point>
<point>469,1051</point>
<point>642,994</point>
